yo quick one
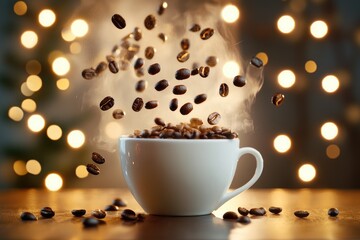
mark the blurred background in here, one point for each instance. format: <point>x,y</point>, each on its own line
<point>311,55</point>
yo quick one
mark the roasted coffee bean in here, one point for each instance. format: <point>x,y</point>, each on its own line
<point>186,108</point>
<point>90,222</point>
<point>163,37</point>
<point>28,216</point>
<point>333,212</point>
<point>195,28</point>
<point>275,210</point>
<point>277,99</point>
<point>257,211</point>
<point>139,72</point>
<point>113,66</point>
<point>179,89</point>
<point>214,118</point>
<point>162,8</point>
<point>101,67</point>
<point>206,33</point>
<point>118,21</point>
<point>137,34</point>
<point>150,22</point>
<point>173,104</point>
<point>107,103</point>
<point>137,104</point>
<point>138,63</point>
<point>141,85</point>
<point>93,169</point>
<point>200,98</point>
<point>230,215</point>
<point>96,157</point>
<point>243,211</point>
<point>140,216</point>
<point>204,71</point>
<point>151,104</point>
<point>111,208</point>
<point>182,73</point>
<point>239,81</point>
<point>88,73</point>
<point>224,90</point>
<point>195,71</point>
<point>196,122</point>
<point>98,213</point>
<point>161,85</point>
<point>118,114</point>
<point>185,44</point>
<point>255,61</point>
<point>47,212</point>
<point>119,202</point>
<point>212,61</point>
<point>149,52</point>
<point>78,212</point>
<point>128,214</point>
<point>159,122</point>
<point>301,214</point>
<point>183,56</point>
<point>154,69</point>
<point>244,220</point>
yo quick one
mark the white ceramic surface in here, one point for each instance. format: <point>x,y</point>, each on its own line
<point>183,177</point>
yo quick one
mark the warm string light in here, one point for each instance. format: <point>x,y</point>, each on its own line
<point>230,13</point>
<point>53,182</point>
<point>282,143</point>
<point>307,172</point>
<point>76,139</point>
<point>329,131</point>
<point>29,39</point>
<point>231,69</point>
<point>330,83</point>
<point>286,24</point>
<point>318,29</point>
<point>36,122</point>
<point>286,78</point>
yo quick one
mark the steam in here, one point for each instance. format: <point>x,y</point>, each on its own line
<point>175,24</point>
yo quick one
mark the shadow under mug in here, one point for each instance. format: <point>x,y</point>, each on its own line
<point>183,177</point>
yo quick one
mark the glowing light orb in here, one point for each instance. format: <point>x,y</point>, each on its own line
<point>19,168</point>
<point>16,114</point>
<point>282,143</point>
<point>330,83</point>
<point>318,29</point>
<point>310,66</point>
<point>36,122</point>
<point>61,66</point>
<point>333,151</point>
<point>28,105</point>
<point>20,8</point>
<point>54,132</point>
<point>286,24</point>
<point>307,173</point>
<point>113,130</point>
<point>34,83</point>
<point>33,67</point>
<point>29,39</point>
<point>329,130</point>
<point>46,18</point>
<point>79,28</point>
<point>81,171</point>
<point>231,69</point>
<point>75,48</point>
<point>263,57</point>
<point>230,13</point>
<point>33,167</point>
<point>53,182</point>
<point>286,78</point>
<point>63,84</point>
<point>25,90</point>
<point>76,139</point>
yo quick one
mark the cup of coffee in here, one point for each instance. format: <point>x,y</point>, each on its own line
<point>183,177</point>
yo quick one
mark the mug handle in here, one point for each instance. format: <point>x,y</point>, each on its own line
<point>257,174</point>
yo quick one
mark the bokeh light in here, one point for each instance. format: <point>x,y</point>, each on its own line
<point>318,29</point>
<point>329,130</point>
<point>36,122</point>
<point>113,130</point>
<point>282,143</point>
<point>28,105</point>
<point>76,139</point>
<point>330,83</point>
<point>79,28</point>
<point>33,67</point>
<point>307,173</point>
<point>25,90</point>
<point>230,13</point>
<point>61,66</point>
<point>54,132</point>
<point>19,167</point>
<point>286,78</point>
<point>67,35</point>
<point>81,171</point>
<point>20,8</point>
<point>310,66</point>
<point>63,84</point>
<point>231,69</point>
<point>34,83</point>
<point>263,57</point>
<point>29,39</point>
<point>33,167</point>
<point>75,48</point>
<point>286,24</point>
<point>15,113</point>
<point>47,18</point>
<point>53,182</point>
<point>333,151</point>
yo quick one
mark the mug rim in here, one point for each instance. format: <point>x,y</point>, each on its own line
<point>126,137</point>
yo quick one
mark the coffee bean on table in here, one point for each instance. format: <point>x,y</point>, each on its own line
<point>118,114</point>
<point>128,214</point>
<point>151,104</point>
<point>275,210</point>
<point>78,212</point>
<point>224,90</point>
<point>111,208</point>
<point>230,215</point>
<point>90,222</point>
<point>214,118</point>
<point>185,44</point>
<point>93,169</point>
<point>28,216</point>
<point>186,108</point>
<point>154,69</point>
<point>141,85</point>
<point>118,21</point>
<point>182,73</point>
<point>159,122</point>
<point>161,85</point>
<point>150,22</point>
<point>162,8</point>
<point>137,104</point>
<point>206,33</point>
<point>195,28</point>
<point>101,67</point>
<point>257,211</point>
<point>149,52</point>
<point>173,104</point>
<point>107,103</point>
<point>255,61</point>
<point>179,89</point>
<point>244,220</point>
<point>183,56</point>
<point>200,98</point>
<point>239,81</point>
<point>88,73</point>
<point>138,63</point>
<point>119,202</point>
<point>96,157</point>
<point>137,34</point>
<point>333,212</point>
<point>140,216</point>
<point>47,212</point>
<point>204,71</point>
<point>277,99</point>
<point>163,37</point>
<point>212,61</point>
<point>98,213</point>
<point>113,66</point>
<point>243,211</point>
<point>301,214</point>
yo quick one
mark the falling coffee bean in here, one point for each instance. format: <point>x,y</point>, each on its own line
<point>301,214</point>
<point>90,222</point>
<point>128,215</point>
<point>173,104</point>
<point>206,33</point>
<point>204,71</point>
<point>88,73</point>
<point>185,44</point>
<point>195,28</point>
<point>195,71</point>
<point>183,56</point>
<point>149,52</point>
<point>154,69</point>
<point>137,34</point>
<point>255,61</point>
<point>161,85</point>
<point>163,37</point>
<point>277,99</point>
<point>244,220</point>
<point>118,21</point>
<point>243,211</point>
<point>224,90</point>
<point>141,85</point>
<point>333,212</point>
<point>107,103</point>
<point>47,212</point>
<point>182,73</point>
<point>151,104</point>
<point>214,118</point>
<point>28,216</point>
<point>118,114</point>
<point>179,89</point>
<point>239,81</point>
<point>78,212</point>
<point>150,22</point>
<point>139,72</point>
<point>275,210</point>
<point>230,215</point>
<point>98,213</point>
<point>111,208</point>
<point>212,61</point>
<point>138,63</point>
<point>162,8</point>
<point>102,66</point>
<point>200,98</point>
<point>93,169</point>
<point>159,122</point>
<point>113,66</point>
<point>96,157</point>
<point>119,202</point>
<point>186,108</point>
<point>137,104</point>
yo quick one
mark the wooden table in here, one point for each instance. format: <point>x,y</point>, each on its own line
<point>318,225</point>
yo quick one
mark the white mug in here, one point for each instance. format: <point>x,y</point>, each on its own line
<point>183,177</point>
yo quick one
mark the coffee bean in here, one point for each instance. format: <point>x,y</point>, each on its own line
<point>139,72</point>
<point>102,66</point>
<point>118,21</point>
<point>78,212</point>
<point>93,169</point>
<point>275,210</point>
<point>230,215</point>
<point>277,99</point>
<point>149,52</point>
<point>113,66</point>
<point>128,214</point>
<point>243,211</point>
<point>111,208</point>
<point>28,216</point>
<point>195,71</point>
<point>204,71</point>
<point>212,61</point>
<point>186,108</point>
<point>244,220</point>
<point>88,73</point>
<point>301,214</point>
<point>140,216</point>
<point>224,90</point>
<point>200,98</point>
<point>195,28</point>
<point>119,202</point>
<point>98,213</point>
<point>96,157</point>
<point>163,37</point>
<point>159,122</point>
<point>195,122</point>
<point>179,89</point>
<point>107,103</point>
<point>185,44</point>
<point>137,104</point>
<point>161,85</point>
<point>162,8</point>
<point>182,73</point>
<point>151,104</point>
<point>333,212</point>
<point>239,81</point>
<point>150,22</point>
<point>214,118</point>
<point>206,33</point>
<point>183,56</point>
<point>255,61</point>
<point>141,85</point>
<point>118,114</point>
<point>47,212</point>
<point>137,34</point>
<point>154,69</point>
<point>173,104</point>
<point>90,222</point>
<point>257,211</point>
<point>138,63</point>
